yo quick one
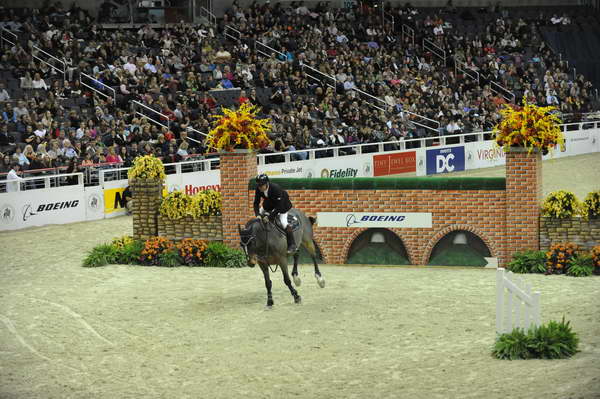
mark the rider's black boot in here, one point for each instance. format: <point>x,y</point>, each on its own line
<point>291,244</point>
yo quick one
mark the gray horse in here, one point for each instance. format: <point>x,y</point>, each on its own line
<point>265,243</point>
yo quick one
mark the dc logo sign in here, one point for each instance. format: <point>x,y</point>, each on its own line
<point>445,160</point>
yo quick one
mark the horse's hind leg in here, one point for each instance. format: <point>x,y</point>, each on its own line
<point>310,247</point>
<point>288,282</point>
<point>268,284</point>
<point>295,276</point>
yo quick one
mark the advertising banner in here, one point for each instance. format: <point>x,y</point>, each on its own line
<point>57,205</point>
<point>484,154</point>
<point>445,160</point>
<point>374,219</point>
<point>332,168</point>
<point>396,163</point>
<point>94,203</point>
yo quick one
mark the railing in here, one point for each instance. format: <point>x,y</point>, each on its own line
<point>433,121</point>
<point>40,182</point>
<point>267,51</point>
<point>502,91</point>
<point>319,76</point>
<point>8,37</point>
<point>149,111</point>
<point>434,49</point>
<point>84,79</point>
<point>204,165</point>
<point>232,33</point>
<point>373,101</point>
<point>387,17</point>
<point>408,31</point>
<point>461,66</point>
<point>61,67</point>
<point>210,17</point>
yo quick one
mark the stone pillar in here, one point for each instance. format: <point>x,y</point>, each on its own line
<point>237,168</point>
<point>523,201</point>
<point>146,195</point>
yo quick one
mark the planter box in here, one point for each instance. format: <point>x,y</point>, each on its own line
<point>585,233</point>
<point>209,228</point>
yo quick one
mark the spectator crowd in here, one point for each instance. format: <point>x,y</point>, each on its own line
<point>326,77</point>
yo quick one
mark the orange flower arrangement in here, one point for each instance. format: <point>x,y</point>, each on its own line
<point>558,257</point>
<point>192,251</point>
<point>239,129</point>
<point>596,259</point>
<point>153,247</point>
<point>529,127</point>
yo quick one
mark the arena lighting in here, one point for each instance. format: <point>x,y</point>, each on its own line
<point>378,238</point>
<point>460,238</point>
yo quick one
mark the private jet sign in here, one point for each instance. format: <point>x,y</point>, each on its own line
<point>374,219</point>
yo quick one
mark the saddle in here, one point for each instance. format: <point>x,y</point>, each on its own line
<point>293,222</point>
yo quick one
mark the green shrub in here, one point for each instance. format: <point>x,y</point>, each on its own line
<point>554,340</point>
<point>528,262</point>
<point>235,259</point>
<point>582,265</point>
<point>512,346</point>
<point>100,256</point>
<point>130,253</point>
<point>169,258</point>
<point>220,255</point>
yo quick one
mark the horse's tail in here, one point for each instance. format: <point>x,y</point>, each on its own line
<point>313,220</point>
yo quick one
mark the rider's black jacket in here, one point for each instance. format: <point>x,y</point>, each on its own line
<point>276,200</point>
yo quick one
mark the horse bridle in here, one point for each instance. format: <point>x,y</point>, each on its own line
<point>244,244</point>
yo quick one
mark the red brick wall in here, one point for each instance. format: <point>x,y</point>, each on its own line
<point>481,212</point>
<point>506,221</point>
<point>524,194</point>
<point>236,170</point>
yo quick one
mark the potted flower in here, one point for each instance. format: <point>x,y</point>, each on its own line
<point>239,129</point>
<point>529,127</point>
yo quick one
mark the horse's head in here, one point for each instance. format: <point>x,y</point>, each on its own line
<point>248,243</point>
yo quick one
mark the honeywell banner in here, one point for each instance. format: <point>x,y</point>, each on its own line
<point>58,205</point>
<point>374,219</point>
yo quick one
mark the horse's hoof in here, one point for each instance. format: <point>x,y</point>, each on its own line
<point>320,281</point>
<point>297,280</point>
<point>298,299</point>
<point>269,307</point>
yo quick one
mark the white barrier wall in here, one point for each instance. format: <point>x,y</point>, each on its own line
<point>57,205</point>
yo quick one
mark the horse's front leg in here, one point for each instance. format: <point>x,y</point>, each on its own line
<point>288,282</point>
<point>295,276</point>
<point>265,269</point>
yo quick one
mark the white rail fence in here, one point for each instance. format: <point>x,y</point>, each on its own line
<point>516,305</point>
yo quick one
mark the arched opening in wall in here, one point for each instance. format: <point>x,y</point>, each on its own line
<point>377,247</point>
<point>460,248</point>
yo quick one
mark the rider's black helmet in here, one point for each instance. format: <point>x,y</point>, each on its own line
<point>262,179</point>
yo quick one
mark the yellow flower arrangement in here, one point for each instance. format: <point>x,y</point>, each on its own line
<point>147,167</point>
<point>239,129</point>
<point>177,204</point>
<point>121,242</point>
<point>561,204</point>
<point>591,205</point>
<point>205,203</point>
<point>529,127</point>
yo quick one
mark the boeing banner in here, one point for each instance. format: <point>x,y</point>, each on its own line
<point>445,160</point>
<point>374,219</point>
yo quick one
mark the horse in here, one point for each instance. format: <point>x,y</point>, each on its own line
<point>264,242</point>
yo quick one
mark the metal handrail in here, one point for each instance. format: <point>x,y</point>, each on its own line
<point>458,65</point>
<point>258,51</point>
<point>63,71</point>
<point>433,47</point>
<point>228,27</point>
<point>408,30</point>
<point>333,78</point>
<point>5,31</point>
<point>135,103</point>
<point>114,93</point>
<point>511,96</point>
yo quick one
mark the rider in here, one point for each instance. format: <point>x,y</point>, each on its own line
<point>276,202</point>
